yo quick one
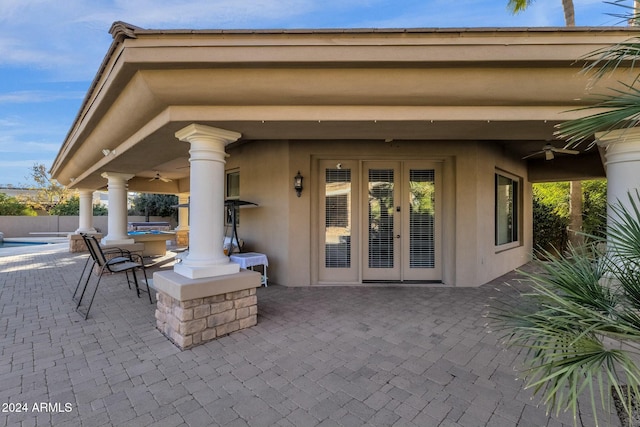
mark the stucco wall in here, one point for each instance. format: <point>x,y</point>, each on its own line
<point>285,227</point>
<point>264,179</point>
<point>488,261</point>
<point>22,226</point>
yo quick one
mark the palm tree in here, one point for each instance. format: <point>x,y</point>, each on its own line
<point>516,6</point>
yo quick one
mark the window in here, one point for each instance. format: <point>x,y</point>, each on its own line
<point>233,185</point>
<point>232,192</point>
<point>507,202</point>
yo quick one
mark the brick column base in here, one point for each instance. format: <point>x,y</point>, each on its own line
<point>76,243</point>
<point>182,238</point>
<point>197,321</point>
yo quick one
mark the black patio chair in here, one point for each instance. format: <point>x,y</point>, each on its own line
<point>111,251</point>
<point>125,263</point>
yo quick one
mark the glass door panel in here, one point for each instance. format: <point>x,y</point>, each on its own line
<point>338,218</point>
<point>382,219</point>
<point>422,222</point>
<point>422,218</point>
<point>381,207</point>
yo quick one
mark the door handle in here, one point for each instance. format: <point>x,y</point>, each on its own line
<point>397,236</point>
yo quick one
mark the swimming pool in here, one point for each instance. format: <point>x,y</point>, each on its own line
<point>142,232</point>
<point>13,244</point>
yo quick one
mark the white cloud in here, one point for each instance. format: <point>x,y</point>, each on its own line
<point>20,138</point>
<point>26,164</point>
<point>12,146</point>
<point>37,96</point>
<point>69,38</point>
<point>200,13</point>
<point>6,122</point>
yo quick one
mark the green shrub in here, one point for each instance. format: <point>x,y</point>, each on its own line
<point>13,207</point>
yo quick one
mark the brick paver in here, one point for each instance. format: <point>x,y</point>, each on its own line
<point>323,356</point>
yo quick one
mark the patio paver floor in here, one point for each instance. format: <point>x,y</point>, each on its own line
<point>321,356</point>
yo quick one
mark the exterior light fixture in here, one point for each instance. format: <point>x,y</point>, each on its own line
<point>106,152</point>
<point>297,184</point>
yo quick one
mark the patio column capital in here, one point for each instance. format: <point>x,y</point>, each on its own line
<point>202,133</point>
<point>115,177</point>
<point>621,145</point>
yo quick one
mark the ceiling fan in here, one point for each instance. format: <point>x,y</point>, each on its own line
<point>549,152</point>
<point>160,178</point>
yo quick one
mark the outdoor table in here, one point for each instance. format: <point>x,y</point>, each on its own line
<point>250,260</point>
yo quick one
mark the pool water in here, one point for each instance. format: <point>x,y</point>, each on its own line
<point>139,233</point>
<point>18,244</point>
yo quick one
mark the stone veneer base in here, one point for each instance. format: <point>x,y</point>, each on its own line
<point>76,242</point>
<point>182,238</point>
<point>194,311</point>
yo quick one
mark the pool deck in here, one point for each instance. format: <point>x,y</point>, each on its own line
<point>53,244</point>
<point>319,356</point>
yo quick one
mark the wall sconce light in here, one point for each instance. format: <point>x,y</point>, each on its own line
<point>106,152</point>
<point>297,184</point>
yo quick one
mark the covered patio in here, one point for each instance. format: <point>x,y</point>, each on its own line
<point>181,111</point>
<point>412,148</point>
<point>328,356</point>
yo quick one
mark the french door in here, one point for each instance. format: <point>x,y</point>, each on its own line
<point>401,222</point>
<point>379,221</point>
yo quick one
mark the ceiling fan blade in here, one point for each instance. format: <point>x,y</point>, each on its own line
<point>160,178</point>
<point>548,155</point>
<point>565,151</point>
<point>533,154</point>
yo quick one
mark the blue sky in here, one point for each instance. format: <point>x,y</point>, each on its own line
<point>50,50</point>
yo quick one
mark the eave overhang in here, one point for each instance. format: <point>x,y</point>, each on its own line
<point>511,85</point>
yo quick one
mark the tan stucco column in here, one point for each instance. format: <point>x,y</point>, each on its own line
<point>117,217</point>
<point>182,230</point>
<point>207,156</point>
<point>85,221</point>
<point>622,162</point>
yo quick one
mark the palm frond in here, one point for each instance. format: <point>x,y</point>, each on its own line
<point>580,320</point>
<point>575,276</point>
<point>516,6</point>
<point>624,231</point>
<point>621,111</point>
<point>566,359</point>
<point>629,16</point>
<point>609,59</point>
